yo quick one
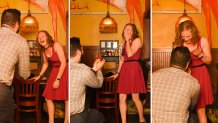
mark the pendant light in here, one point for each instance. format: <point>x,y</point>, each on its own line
<point>108,24</point>
<point>29,23</point>
<point>183,18</point>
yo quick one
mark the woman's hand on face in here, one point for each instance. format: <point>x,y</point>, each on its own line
<point>198,52</point>
<point>56,84</point>
<point>127,36</point>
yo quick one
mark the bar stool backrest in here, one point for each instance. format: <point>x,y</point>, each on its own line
<point>27,97</point>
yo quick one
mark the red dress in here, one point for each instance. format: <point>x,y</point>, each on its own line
<point>200,72</point>
<point>131,79</point>
<point>61,93</point>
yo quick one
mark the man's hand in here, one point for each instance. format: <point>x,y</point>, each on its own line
<point>98,64</point>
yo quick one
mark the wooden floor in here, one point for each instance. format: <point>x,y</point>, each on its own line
<point>109,116</point>
<point>31,118</point>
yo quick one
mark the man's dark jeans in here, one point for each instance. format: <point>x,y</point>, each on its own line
<point>7,105</point>
<point>88,116</point>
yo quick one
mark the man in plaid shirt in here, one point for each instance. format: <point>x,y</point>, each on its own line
<point>174,91</point>
<point>14,52</point>
<point>80,77</point>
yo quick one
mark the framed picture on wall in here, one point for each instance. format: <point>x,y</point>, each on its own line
<point>176,6</point>
<point>115,44</point>
<point>109,44</point>
<point>34,49</point>
<point>102,44</point>
<point>109,48</point>
<point>97,6</point>
<point>31,43</point>
<point>36,6</point>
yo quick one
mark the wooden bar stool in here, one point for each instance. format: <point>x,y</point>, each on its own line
<point>106,96</point>
<point>27,98</point>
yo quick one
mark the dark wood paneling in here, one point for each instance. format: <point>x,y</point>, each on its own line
<point>161,59</point>
<point>213,70</point>
<point>89,55</point>
<point>147,39</point>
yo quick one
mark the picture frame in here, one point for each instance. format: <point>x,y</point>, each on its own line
<point>161,6</point>
<point>31,44</point>
<point>80,7</point>
<point>109,48</point>
<point>34,49</point>
<point>115,45</point>
<point>109,44</point>
<point>35,6</point>
<point>102,44</point>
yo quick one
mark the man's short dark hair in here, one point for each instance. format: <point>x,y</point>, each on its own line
<point>10,17</point>
<point>180,56</point>
<point>74,45</point>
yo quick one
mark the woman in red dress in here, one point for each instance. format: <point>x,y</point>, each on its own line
<point>187,35</point>
<point>131,79</point>
<point>57,84</point>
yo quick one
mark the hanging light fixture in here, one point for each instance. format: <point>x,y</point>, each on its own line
<point>29,23</point>
<point>108,24</point>
<point>183,18</point>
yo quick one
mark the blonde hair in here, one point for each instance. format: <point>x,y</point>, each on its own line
<point>186,25</point>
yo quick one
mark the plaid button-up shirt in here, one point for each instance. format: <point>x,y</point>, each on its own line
<point>80,77</point>
<point>14,51</point>
<point>173,93</point>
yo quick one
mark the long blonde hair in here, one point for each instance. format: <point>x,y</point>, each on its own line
<point>186,25</point>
